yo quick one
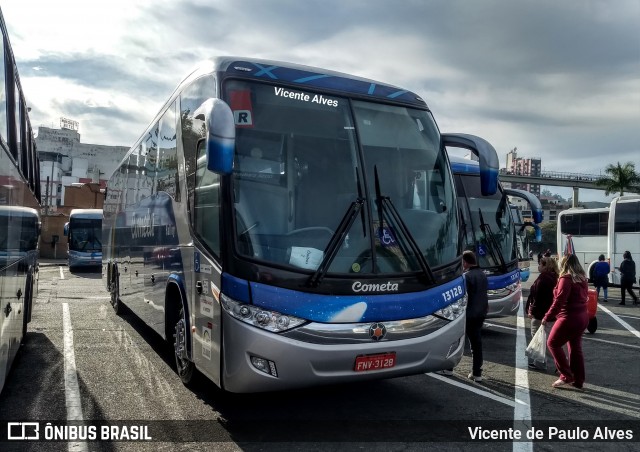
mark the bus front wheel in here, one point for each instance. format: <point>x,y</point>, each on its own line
<point>184,366</point>
<point>115,293</point>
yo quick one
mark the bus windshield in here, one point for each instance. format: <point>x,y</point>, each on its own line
<point>85,234</point>
<point>488,225</point>
<point>302,159</point>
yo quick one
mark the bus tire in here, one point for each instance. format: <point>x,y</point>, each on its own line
<point>593,325</point>
<point>115,293</point>
<point>184,367</point>
<point>27,306</point>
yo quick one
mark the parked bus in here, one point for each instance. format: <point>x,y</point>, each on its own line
<point>523,250</point>
<point>488,229</point>
<point>268,224</point>
<point>19,206</point>
<point>84,234</point>
<point>609,230</point>
<point>589,231</point>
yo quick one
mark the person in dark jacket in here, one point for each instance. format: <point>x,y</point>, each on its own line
<point>540,298</point>
<point>601,276</point>
<point>627,277</point>
<point>476,284</point>
<point>477,307</point>
<point>569,308</point>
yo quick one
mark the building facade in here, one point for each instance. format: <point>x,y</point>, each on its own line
<point>65,161</point>
<point>525,167</point>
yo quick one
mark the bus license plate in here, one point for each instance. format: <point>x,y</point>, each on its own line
<point>375,362</point>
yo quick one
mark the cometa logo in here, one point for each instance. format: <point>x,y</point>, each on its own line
<point>357,286</point>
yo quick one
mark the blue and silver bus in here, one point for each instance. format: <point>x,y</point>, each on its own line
<point>488,229</point>
<point>19,207</point>
<point>268,224</point>
<point>523,241</point>
<point>84,234</point>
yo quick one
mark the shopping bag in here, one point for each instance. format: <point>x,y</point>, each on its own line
<point>537,348</point>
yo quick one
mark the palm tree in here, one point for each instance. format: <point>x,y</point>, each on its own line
<point>619,178</point>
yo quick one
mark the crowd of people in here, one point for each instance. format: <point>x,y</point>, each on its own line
<point>557,302</point>
<point>558,298</point>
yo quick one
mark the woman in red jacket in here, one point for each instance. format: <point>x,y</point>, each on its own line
<point>569,308</point>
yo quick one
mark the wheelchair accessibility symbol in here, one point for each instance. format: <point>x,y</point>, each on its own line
<point>386,237</point>
<point>482,250</point>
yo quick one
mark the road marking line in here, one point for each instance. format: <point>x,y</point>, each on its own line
<point>611,342</point>
<point>495,325</point>
<point>474,389</point>
<point>61,273</point>
<point>629,317</point>
<point>521,411</point>
<point>631,329</point>
<point>72,397</point>
<point>609,399</point>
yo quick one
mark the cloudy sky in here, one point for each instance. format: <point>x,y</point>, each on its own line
<point>558,79</point>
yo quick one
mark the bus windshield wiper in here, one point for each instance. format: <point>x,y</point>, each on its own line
<point>384,203</point>
<point>334,244</point>
<point>494,247</point>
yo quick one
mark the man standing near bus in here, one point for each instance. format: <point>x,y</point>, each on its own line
<point>476,284</point>
<point>628,277</point>
<point>601,276</point>
<point>477,307</point>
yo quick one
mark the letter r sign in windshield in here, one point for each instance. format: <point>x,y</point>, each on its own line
<point>241,106</point>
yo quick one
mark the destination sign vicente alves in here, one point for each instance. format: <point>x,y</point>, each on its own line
<point>304,97</point>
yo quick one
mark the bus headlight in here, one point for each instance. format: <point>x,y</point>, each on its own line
<point>259,317</point>
<point>501,293</point>
<point>454,310</point>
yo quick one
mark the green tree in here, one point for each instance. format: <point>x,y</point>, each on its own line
<point>549,238</point>
<point>620,178</point>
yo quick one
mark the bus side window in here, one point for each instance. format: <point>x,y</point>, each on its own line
<point>206,222</point>
<point>167,164</point>
<point>193,127</point>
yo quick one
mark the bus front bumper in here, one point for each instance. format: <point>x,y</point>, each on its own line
<point>84,259</point>
<point>302,364</point>
<point>502,306</point>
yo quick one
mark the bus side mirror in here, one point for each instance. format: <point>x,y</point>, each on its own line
<point>221,135</point>
<point>66,229</point>
<point>489,163</point>
<point>538,233</point>
<point>532,200</point>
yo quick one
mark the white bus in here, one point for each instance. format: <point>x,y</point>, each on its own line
<point>19,207</point>
<point>610,231</point>
<point>624,232</point>
<point>84,235</point>
<point>269,225</point>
